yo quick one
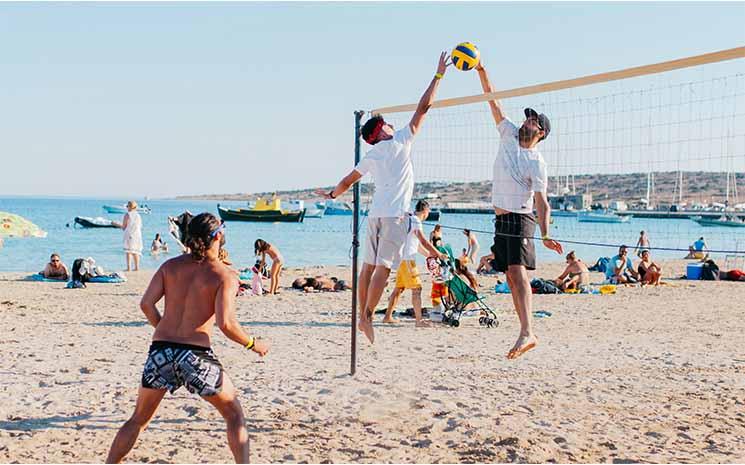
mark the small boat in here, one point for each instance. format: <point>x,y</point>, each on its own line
<point>604,217</point>
<point>315,212</point>
<point>565,213</point>
<point>721,221</point>
<point>123,209</point>
<point>338,208</point>
<point>264,212</point>
<point>97,222</point>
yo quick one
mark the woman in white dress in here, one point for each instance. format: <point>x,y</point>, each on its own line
<point>132,226</point>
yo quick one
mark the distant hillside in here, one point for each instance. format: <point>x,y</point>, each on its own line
<point>699,186</point>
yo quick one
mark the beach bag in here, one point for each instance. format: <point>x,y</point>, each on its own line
<point>79,271</point>
<point>601,265</point>
<point>543,286</point>
<point>710,271</point>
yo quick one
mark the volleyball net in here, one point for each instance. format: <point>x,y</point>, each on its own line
<point>657,146</point>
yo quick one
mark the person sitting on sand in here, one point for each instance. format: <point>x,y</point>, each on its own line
<point>263,248</point>
<point>485,265</point>
<point>649,271</point>
<point>620,270</point>
<point>320,284</point>
<point>698,250</point>
<point>407,276</point>
<point>575,274</point>
<point>158,245</point>
<point>55,269</point>
<point>198,292</point>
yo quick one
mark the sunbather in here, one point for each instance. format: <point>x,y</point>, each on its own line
<point>649,271</point>
<point>55,269</point>
<point>575,274</point>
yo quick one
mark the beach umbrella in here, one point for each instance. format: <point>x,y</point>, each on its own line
<point>12,225</point>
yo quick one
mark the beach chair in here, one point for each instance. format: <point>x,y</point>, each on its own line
<point>460,296</point>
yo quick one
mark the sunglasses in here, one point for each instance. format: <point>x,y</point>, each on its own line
<point>220,229</point>
<point>55,261</point>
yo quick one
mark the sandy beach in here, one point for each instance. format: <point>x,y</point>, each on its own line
<point>645,375</point>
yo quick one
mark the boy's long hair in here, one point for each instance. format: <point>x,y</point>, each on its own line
<point>201,229</point>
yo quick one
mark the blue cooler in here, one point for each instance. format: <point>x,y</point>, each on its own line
<point>693,270</point>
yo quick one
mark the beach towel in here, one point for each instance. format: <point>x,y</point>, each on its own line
<point>39,278</point>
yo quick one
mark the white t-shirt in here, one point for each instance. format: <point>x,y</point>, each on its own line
<point>411,248</point>
<point>389,163</point>
<point>518,172</point>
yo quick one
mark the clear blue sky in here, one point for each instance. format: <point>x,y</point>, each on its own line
<point>164,99</point>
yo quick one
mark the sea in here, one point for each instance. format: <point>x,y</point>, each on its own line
<point>326,241</point>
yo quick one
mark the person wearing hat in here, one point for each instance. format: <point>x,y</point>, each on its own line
<point>389,163</point>
<point>519,183</point>
<point>132,226</point>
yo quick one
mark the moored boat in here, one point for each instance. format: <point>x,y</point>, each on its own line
<point>97,222</point>
<point>263,212</point>
<point>722,221</point>
<point>123,209</point>
<point>593,217</point>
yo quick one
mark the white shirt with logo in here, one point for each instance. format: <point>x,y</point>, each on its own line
<point>518,172</point>
<point>389,163</point>
<point>411,248</point>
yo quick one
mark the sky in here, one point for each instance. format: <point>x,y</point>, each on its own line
<point>158,100</point>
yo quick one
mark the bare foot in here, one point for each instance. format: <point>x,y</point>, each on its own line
<point>390,320</point>
<point>365,325</point>
<point>423,324</point>
<point>523,344</point>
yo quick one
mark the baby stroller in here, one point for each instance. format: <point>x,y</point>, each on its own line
<point>459,296</point>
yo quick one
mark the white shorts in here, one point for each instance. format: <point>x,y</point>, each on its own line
<point>385,241</point>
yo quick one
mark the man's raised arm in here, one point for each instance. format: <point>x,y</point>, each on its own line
<point>429,95</point>
<point>494,105</point>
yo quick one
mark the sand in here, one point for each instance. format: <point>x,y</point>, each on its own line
<point>647,374</point>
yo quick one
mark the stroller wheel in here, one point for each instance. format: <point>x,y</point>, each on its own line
<point>455,323</point>
<point>482,321</point>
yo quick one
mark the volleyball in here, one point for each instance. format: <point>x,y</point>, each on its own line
<point>465,56</point>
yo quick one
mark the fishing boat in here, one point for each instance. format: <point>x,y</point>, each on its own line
<point>123,209</point>
<point>602,217</point>
<point>264,212</point>
<point>97,222</point>
<point>731,221</point>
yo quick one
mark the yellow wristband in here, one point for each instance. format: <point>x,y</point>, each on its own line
<point>545,238</point>
<point>251,344</point>
<point>438,76</point>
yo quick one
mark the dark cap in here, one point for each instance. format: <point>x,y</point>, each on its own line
<point>543,120</point>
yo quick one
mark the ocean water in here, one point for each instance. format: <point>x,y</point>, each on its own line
<point>325,241</point>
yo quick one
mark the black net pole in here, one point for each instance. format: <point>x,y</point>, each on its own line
<point>355,241</point>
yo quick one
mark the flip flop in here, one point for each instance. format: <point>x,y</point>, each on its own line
<point>514,354</point>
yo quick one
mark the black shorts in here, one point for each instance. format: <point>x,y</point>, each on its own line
<point>513,241</point>
<point>171,365</point>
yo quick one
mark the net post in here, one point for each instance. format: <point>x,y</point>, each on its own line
<point>355,244</point>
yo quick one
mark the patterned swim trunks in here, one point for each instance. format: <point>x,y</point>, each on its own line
<point>171,365</point>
